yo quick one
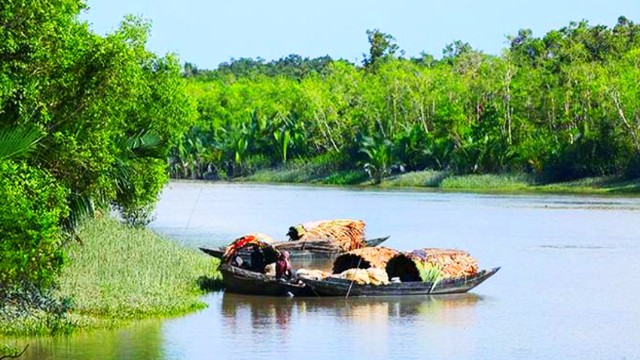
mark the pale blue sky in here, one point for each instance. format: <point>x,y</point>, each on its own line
<point>210,32</point>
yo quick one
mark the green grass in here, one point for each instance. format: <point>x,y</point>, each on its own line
<point>347,177</point>
<point>595,185</point>
<point>35,322</point>
<point>284,175</point>
<point>298,172</point>
<point>118,274</point>
<point>489,182</point>
<point>311,173</point>
<point>426,178</point>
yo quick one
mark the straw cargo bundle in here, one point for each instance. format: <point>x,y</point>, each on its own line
<point>367,257</point>
<point>378,276</point>
<point>432,265</point>
<point>313,274</point>
<point>347,235</point>
<point>451,263</point>
<point>370,276</point>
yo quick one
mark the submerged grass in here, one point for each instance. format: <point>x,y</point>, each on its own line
<point>117,274</point>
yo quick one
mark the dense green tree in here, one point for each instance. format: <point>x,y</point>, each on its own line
<point>88,120</point>
<point>381,46</point>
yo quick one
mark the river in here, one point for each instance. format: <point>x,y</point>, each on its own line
<point>567,288</point>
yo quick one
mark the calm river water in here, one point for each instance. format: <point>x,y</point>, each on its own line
<point>568,288</point>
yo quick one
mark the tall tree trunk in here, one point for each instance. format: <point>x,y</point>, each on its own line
<point>633,130</point>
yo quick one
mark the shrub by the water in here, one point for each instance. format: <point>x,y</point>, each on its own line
<point>117,273</point>
<point>33,204</point>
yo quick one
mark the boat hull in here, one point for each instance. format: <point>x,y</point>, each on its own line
<point>242,281</point>
<point>342,287</point>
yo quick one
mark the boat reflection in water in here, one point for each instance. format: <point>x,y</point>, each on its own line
<point>277,312</point>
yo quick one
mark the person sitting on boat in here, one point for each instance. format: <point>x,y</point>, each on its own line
<point>283,266</point>
<point>257,260</point>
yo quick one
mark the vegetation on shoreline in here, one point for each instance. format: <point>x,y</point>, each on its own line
<point>115,275</point>
<point>446,181</point>
<point>557,108</point>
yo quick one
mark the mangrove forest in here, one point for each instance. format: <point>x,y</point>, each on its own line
<point>558,107</point>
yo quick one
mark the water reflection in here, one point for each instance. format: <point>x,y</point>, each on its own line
<point>337,327</point>
<point>535,308</point>
<point>276,313</point>
<point>140,341</point>
<point>263,312</point>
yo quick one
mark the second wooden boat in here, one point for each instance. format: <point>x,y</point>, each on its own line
<point>300,248</point>
<point>342,287</point>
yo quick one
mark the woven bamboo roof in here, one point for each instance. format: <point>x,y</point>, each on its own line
<point>346,234</point>
<point>452,263</point>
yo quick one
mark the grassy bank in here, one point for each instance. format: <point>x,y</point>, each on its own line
<point>441,180</point>
<point>115,275</point>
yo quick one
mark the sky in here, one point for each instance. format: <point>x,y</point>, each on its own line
<point>209,32</point>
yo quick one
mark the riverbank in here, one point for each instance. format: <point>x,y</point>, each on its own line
<point>116,274</point>
<point>442,180</point>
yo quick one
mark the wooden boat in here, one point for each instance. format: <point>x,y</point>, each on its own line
<point>300,248</point>
<point>249,275</point>
<point>420,272</point>
<point>456,272</point>
<point>342,287</point>
<point>243,281</point>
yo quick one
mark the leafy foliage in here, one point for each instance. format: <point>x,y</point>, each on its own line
<point>91,120</point>
<point>558,107</point>
<point>30,226</point>
<point>17,142</point>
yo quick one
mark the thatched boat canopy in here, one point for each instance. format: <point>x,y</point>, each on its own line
<point>253,245</point>
<point>447,263</point>
<point>346,235</point>
<point>364,258</point>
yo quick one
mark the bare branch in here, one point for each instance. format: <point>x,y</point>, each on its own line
<point>16,355</point>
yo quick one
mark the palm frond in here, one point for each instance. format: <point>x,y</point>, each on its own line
<point>18,142</point>
<point>80,208</point>
<point>145,144</point>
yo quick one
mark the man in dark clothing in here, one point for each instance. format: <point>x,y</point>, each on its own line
<point>283,266</point>
<point>257,260</point>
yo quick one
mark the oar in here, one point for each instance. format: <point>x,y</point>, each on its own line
<point>354,279</point>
